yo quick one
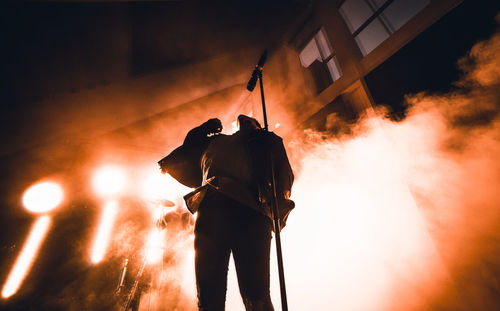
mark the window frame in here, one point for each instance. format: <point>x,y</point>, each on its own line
<point>325,60</point>
<point>377,14</point>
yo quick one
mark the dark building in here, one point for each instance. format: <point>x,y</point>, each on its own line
<point>359,54</point>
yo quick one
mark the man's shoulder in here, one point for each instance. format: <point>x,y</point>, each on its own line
<point>217,140</point>
<point>218,137</point>
<point>263,135</point>
<point>273,136</point>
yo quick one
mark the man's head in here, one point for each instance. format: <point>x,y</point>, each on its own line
<point>246,123</point>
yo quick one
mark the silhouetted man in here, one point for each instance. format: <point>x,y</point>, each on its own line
<point>232,175</point>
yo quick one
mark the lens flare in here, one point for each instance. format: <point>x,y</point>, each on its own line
<point>26,257</point>
<point>109,181</point>
<point>42,197</point>
<point>103,234</point>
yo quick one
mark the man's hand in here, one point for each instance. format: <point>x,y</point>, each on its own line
<point>212,126</point>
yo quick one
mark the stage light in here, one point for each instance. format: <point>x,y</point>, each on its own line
<point>109,181</point>
<point>42,197</point>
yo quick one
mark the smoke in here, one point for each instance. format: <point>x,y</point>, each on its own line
<point>403,216</point>
<point>393,216</point>
<point>135,147</point>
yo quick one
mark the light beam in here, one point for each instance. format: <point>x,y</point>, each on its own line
<point>154,246</point>
<point>26,257</point>
<point>103,234</point>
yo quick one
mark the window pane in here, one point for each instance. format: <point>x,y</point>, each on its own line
<point>321,75</point>
<point>377,3</point>
<point>309,54</point>
<point>401,11</point>
<point>324,46</point>
<point>371,37</point>
<point>385,21</point>
<point>334,68</point>
<point>355,13</point>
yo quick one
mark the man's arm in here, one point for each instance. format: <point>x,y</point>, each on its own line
<point>200,133</point>
<point>283,179</point>
<point>183,163</point>
<point>283,170</point>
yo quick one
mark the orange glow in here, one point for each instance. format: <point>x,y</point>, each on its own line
<point>109,181</point>
<point>356,233</point>
<point>234,127</point>
<point>26,257</point>
<point>103,234</point>
<point>158,186</point>
<point>155,186</point>
<point>42,197</point>
<point>154,246</point>
<point>186,269</point>
<point>356,237</point>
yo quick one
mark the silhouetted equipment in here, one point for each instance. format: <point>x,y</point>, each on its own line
<point>257,74</point>
<point>132,294</point>
<point>257,71</point>
<point>121,280</point>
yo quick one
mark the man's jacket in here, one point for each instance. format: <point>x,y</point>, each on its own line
<point>237,166</point>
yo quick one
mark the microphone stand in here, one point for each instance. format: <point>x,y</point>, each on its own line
<point>274,203</point>
<point>133,290</point>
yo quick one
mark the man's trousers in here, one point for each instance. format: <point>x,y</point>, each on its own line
<point>223,226</point>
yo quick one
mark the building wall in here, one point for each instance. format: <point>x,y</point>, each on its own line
<point>350,59</point>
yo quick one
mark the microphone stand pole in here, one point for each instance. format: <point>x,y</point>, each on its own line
<point>274,203</point>
<point>133,291</point>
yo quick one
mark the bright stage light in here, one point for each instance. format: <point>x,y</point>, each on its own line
<point>42,197</point>
<point>103,234</point>
<point>25,259</point>
<point>109,181</point>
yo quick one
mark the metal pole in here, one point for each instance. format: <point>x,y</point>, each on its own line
<point>133,291</point>
<point>274,206</point>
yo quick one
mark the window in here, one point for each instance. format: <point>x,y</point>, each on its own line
<point>373,21</point>
<point>318,56</point>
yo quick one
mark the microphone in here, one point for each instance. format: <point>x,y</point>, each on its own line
<point>258,69</point>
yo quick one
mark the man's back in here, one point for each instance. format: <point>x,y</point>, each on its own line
<point>232,200</point>
<point>227,156</point>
